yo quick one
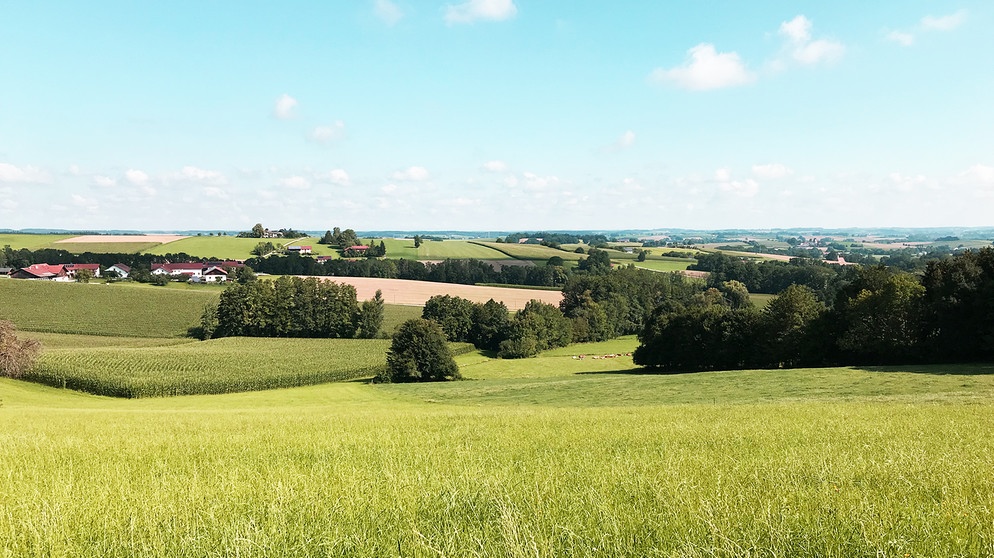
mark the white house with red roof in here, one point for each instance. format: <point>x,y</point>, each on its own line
<point>179,269</point>
<point>72,269</point>
<point>121,270</point>
<point>44,272</point>
<point>299,249</point>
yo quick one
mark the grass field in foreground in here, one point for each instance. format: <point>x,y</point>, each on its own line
<point>780,466</point>
<point>215,366</point>
<point>675,264</point>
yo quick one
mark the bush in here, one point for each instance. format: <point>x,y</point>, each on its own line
<point>16,355</point>
<point>420,353</point>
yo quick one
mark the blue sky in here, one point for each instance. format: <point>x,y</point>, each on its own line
<point>496,114</point>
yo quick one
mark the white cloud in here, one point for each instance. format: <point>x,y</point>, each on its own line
<point>202,176</point>
<point>88,204</point>
<point>944,23</point>
<point>295,182</point>
<point>495,166</point>
<point>474,10</point>
<point>804,50</point>
<point>797,30</point>
<point>706,69</point>
<point>821,50</point>
<point>75,170</point>
<point>284,107</point>
<point>744,188</point>
<point>389,189</point>
<point>26,175</point>
<point>722,175</point>
<point>136,177</point>
<point>901,38</point>
<point>906,183</point>
<point>979,174</point>
<point>215,192</point>
<point>626,140</point>
<point>533,181</point>
<point>325,134</point>
<point>104,181</point>
<point>387,11</point>
<point>413,174</point>
<point>336,176</point>
<point>771,171</point>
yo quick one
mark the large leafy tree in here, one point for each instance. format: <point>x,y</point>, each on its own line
<point>420,353</point>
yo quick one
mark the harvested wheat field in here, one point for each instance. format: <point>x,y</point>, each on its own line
<point>121,238</point>
<point>416,293</point>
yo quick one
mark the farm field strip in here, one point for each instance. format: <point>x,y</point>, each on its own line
<point>105,247</point>
<point>530,251</point>
<point>664,265</point>
<point>102,309</point>
<point>407,292</point>
<point>215,366</point>
<point>30,241</point>
<point>121,239</point>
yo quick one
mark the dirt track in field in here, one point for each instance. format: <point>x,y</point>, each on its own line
<point>121,238</point>
<point>416,293</point>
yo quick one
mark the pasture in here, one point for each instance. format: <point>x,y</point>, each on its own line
<point>30,241</point>
<point>102,309</point>
<point>558,457</point>
<point>530,251</point>
<point>222,247</point>
<point>668,264</point>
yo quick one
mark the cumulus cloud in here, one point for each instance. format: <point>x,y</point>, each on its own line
<point>201,176</point>
<point>336,176</point>
<point>215,192</point>
<point>136,177</point>
<point>771,170</point>
<point>23,175</point>
<point>495,166</point>
<point>979,174</point>
<point>706,69</point>
<point>88,204</point>
<point>804,50</point>
<point>104,181</point>
<point>532,181</point>
<point>476,10</point>
<point>285,106</point>
<point>295,182</point>
<point>387,11</point>
<point>413,174</point>
<point>326,134</point>
<point>901,38</point>
<point>743,188</point>
<point>944,23</point>
<point>906,183</point>
<point>626,140</point>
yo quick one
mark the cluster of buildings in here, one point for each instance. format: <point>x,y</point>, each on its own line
<point>210,272</point>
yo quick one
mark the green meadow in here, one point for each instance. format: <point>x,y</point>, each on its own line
<point>576,452</point>
<point>223,247</point>
<point>574,460</point>
<point>106,247</point>
<point>30,241</point>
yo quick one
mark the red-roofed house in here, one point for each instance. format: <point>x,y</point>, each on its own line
<point>355,251</point>
<point>120,269</point>
<point>71,269</point>
<point>299,249</point>
<point>42,271</point>
<point>178,269</point>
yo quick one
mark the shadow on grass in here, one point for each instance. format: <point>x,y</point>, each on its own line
<point>641,371</point>
<point>972,369</point>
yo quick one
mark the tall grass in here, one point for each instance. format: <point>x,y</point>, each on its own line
<point>354,470</point>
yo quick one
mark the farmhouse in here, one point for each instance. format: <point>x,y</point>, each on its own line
<point>72,269</point>
<point>43,271</point>
<point>178,269</point>
<point>121,270</point>
<point>355,251</point>
<point>213,274</point>
<point>299,249</point>
<point>321,259</point>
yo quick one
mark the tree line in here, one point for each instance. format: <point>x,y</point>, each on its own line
<point>867,315</point>
<point>292,307</point>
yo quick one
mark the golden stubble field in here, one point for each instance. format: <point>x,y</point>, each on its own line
<point>416,293</point>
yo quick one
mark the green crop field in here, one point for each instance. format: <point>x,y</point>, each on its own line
<point>105,247</point>
<point>530,251</point>
<point>30,241</point>
<point>673,264</point>
<point>457,249</point>
<point>102,309</point>
<point>223,247</point>
<point>551,456</point>
<point>215,366</point>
